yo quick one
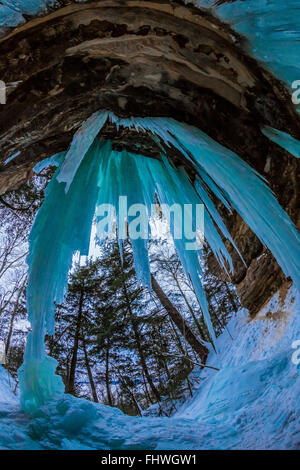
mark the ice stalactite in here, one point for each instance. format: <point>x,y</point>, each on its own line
<point>142,180</point>
<point>9,18</point>
<point>239,184</point>
<point>62,226</point>
<point>283,139</point>
<point>91,173</point>
<point>81,142</point>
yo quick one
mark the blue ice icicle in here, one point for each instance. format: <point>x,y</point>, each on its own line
<point>172,186</point>
<point>271,28</point>
<point>243,187</point>
<point>249,194</point>
<point>12,157</point>
<point>81,142</point>
<point>119,178</point>
<point>55,160</point>
<point>62,227</point>
<point>284,140</point>
<point>63,224</point>
<point>200,188</point>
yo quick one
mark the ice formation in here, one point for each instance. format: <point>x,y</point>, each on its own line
<point>99,176</point>
<point>61,228</point>
<point>12,157</point>
<point>283,139</point>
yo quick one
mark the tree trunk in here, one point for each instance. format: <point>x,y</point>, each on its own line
<point>183,351</point>
<point>131,394</point>
<point>147,395</point>
<point>139,347</point>
<point>143,360</point>
<point>201,332</point>
<point>70,388</point>
<point>108,392</point>
<point>232,301</point>
<point>11,326</point>
<point>89,371</point>
<point>179,321</point>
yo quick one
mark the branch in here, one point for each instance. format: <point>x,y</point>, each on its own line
<point>6,204</point>
<point>188,359</point>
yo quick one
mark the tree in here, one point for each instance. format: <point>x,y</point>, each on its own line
<point>179,321</point>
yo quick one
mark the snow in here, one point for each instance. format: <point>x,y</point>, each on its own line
<point>256,393</point>
<point>6,383</point>
<point>251,403</point>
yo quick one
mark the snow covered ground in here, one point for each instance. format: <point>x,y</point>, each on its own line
<point>251,403</point>
<point>256,393</point>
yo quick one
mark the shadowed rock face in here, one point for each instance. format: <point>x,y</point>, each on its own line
<point>153,58</point>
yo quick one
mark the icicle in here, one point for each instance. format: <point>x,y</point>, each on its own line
<point>62,226</point>
<point>242,186</point>
<point>120,168</point>
<point>140,178</point>
<point>81,142</point>
<point>28,7</point>
<point>55,160</point>
<point>9,159</point>
<point>284,140</point>
<point>173,187</point>
<point>214,188</point>
<point>248,194</point>
<point>216,217</point>
<point>9,18</point>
